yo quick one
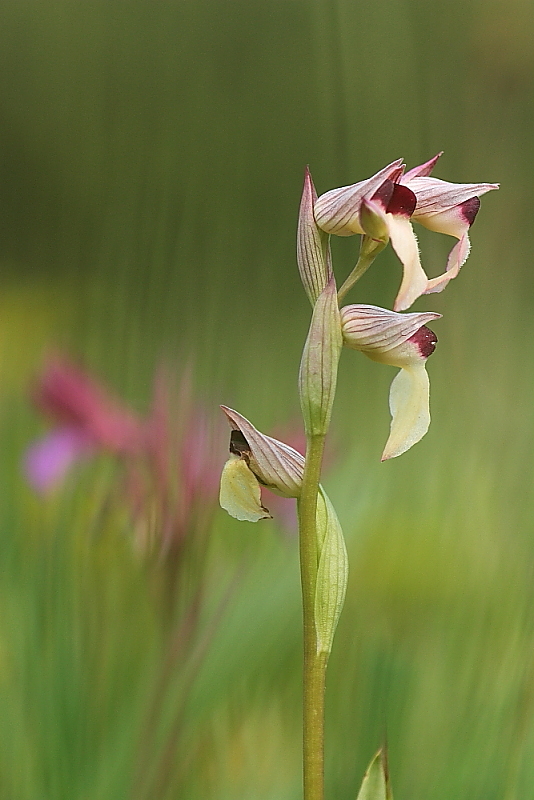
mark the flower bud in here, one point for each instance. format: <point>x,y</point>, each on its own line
<point>373,221</point>
<point>320,358</point>
<point>313,248</point>
<point>375,784</point>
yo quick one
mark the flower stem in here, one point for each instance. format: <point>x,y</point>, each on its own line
<point>368,252</point>
<point>314,674</point>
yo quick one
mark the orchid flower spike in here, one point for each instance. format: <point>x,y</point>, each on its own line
<point>388,201</point>
<point>256,460</point>
<point>401,340</point>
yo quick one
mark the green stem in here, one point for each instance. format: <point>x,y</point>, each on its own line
<point>368,252</point>
<point>314,675</point>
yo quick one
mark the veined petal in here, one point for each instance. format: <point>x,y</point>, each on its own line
<point>410,410</point>
<point>337,211</point>
<point>240,493</point>
<point>379,332</point>
<point>448,208</point>
<point>276,465</point>
<point>422,170</point>
<point>457,257</point>
<point>414,278</point>
<point>313,248</point>
<point>435,196</point>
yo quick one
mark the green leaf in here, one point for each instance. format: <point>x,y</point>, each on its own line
<point>332,573</point>
<point>375,784</point>
<point>320,358</point>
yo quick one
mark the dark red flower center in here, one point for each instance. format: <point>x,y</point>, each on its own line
<point>426,340</point>
<point>469,209</point>
<point>402,202</point>
<point>238,444</point>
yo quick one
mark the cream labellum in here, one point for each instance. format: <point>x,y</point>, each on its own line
<point>240,493</point>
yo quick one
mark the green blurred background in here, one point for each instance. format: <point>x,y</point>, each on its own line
<point>151,162</point>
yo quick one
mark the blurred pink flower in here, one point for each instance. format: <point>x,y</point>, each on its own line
<point>170,459</point>
<point>49,459</point>
<point>181,447</point>
<point>88,418</point>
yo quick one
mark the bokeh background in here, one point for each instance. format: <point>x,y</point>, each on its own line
<point>151,163</point>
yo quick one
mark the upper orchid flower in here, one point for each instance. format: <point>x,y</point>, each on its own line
<point>401,340</point>
<point>395,198</point>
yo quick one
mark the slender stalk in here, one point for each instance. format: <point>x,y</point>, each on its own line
<point>314,674</point>
<point>368,252</point>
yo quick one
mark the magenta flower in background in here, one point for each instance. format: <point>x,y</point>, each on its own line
<point>87,419</point>
<point>179,436</point>
<point>170,459</point>
<point>49,459</point>
<point>181,452</point>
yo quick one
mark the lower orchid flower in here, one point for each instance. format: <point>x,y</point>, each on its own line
<point>256,461</point>
<point>401,340</point>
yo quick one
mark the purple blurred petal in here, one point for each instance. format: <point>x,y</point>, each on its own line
<point>72,397</point>
<point>48,460</point>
